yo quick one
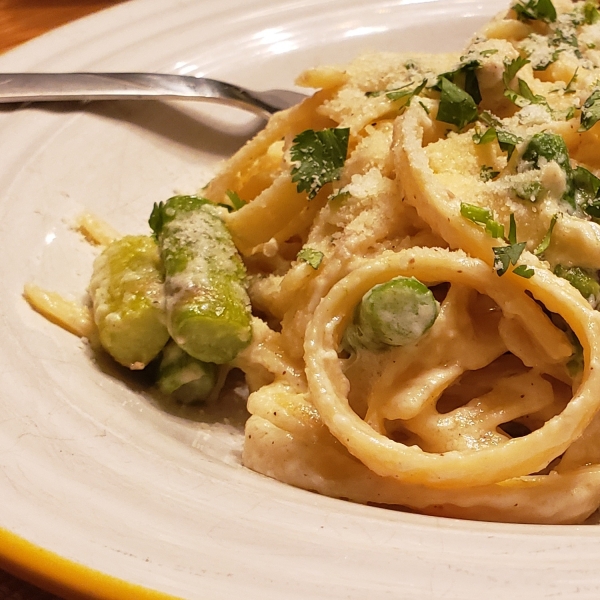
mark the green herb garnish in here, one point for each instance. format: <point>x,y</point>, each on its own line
<point>591,13</point>
<point>489,135</point>
<point>512,229</point>
<point>456,107</point>
<point>235,200</point>
<point>487,173</point>
<point>506,140</point>
<point>511,68</point>
<point>463,77</point>
<point>504,256</point>
<point>318,158</point>
<point>310,256</point>
<point>395,95</point>
<point>524,271</point>
<point>587,188</point>
<point>543,245</point>
<point>569,39</point>
<point>339,195</point>
<point>529,191</point>
<point>552,147</point>
<point>535,10</point>
<point>406,92</point>
<point>590,111</point>
<point>524,95</point>
<point>489,52</point>
<point>570,89</point>
<point>548,146</point>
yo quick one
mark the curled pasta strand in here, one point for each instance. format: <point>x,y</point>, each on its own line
<point>519,456</point>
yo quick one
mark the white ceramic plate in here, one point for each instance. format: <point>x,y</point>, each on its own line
<point>103,492</point>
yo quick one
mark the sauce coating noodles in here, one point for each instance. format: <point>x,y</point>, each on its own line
<point>478,175</point>
<point>486,416</point>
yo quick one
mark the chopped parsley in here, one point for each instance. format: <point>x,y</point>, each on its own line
<point>548,146</point>
<point>590,111</point>
<point>395,95</point>
<point>310,256</point>
<point>561,37</point>
<point>511,68</point>
<point>487,173</point>
<point>524,95</point>
<point>318,158</point>
<point>535,10</point>
<point>489,135</point>
<point>506,140</point>
<point>569,89</point>
<point>531,191</point>
<point>339,195</point>
<point>456,107</point>
<point>587,191</point>
<point>545,146</point>
<point>524,271</point>
<point>591,13</point>
<point>545,243</point>
<point>406,92</point>
<point>512,230</point>
<point>235,200</point>
<point>504,256</point>
<point>463,77</point>
<point>544,62</point>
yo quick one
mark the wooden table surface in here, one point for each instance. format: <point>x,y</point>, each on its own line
<point>21,20</point>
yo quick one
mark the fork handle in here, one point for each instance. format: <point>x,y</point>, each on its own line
<point>48,87</point>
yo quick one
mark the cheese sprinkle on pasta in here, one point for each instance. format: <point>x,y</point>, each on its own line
<point>473,392</point>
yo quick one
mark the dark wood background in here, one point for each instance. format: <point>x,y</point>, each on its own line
<point>21,20</point>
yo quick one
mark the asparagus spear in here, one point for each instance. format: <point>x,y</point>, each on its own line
<point>395,313</point>
<point>582,280</point>
<point>128,302</point>
<point>207,306</point>
<point>184,377</point>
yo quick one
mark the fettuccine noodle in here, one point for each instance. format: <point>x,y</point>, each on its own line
<point>477,175</point>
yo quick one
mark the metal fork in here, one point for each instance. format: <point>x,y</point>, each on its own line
<point>47,87</point>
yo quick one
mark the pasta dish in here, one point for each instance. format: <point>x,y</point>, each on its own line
<point>405,268</point>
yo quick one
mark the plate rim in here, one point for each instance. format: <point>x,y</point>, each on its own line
<point>52,571</point>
